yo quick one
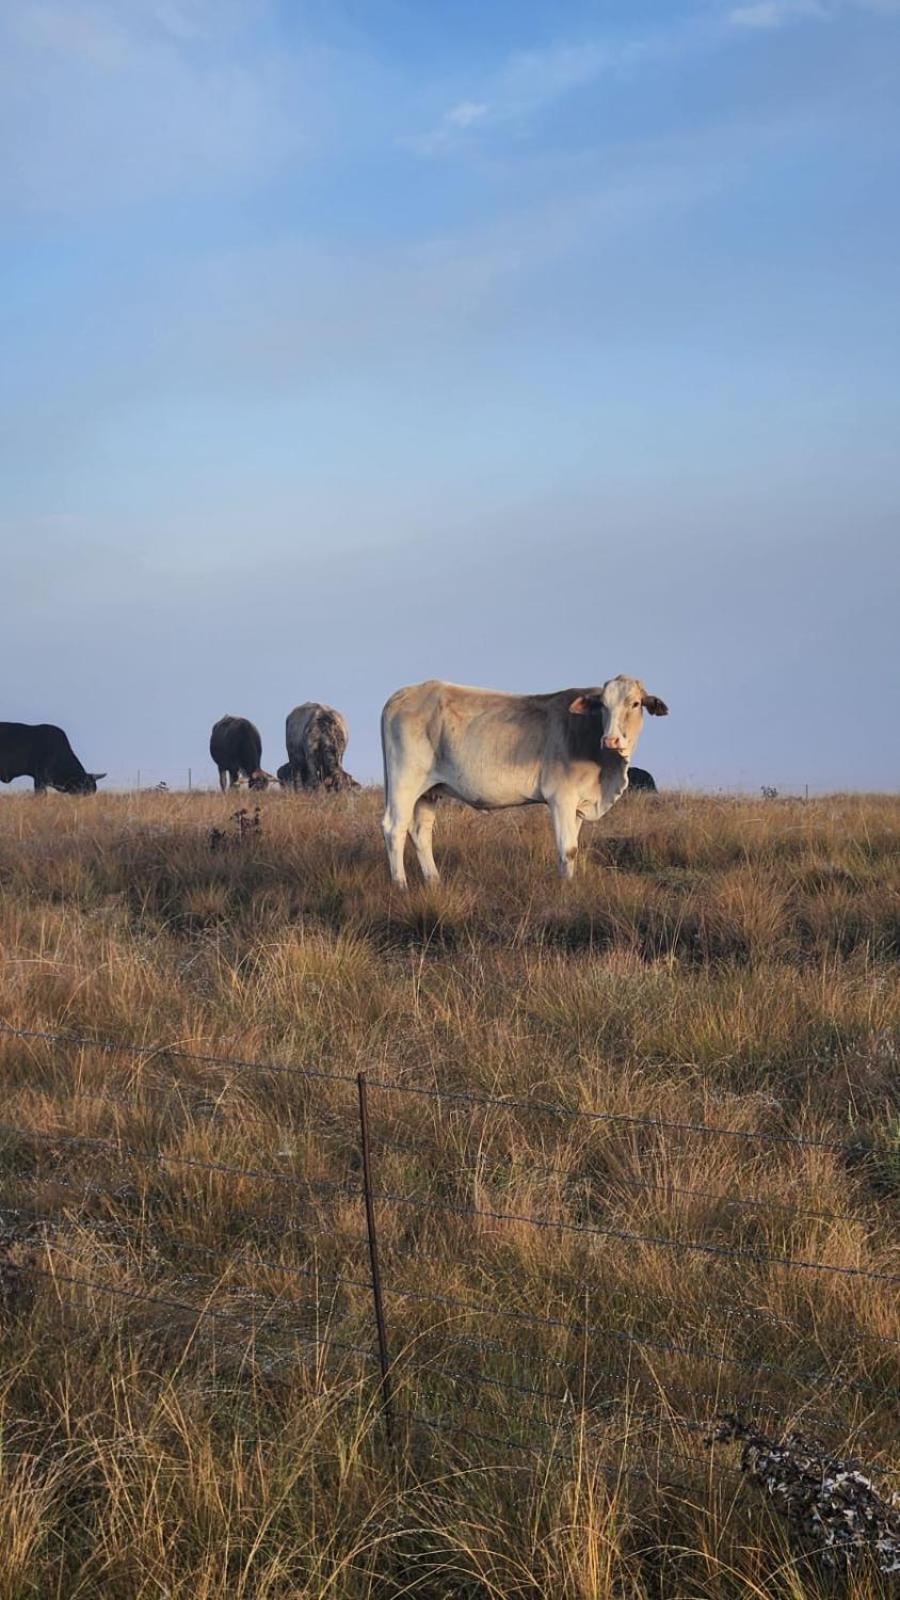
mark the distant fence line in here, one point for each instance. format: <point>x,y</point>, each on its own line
<point>590,1405</point>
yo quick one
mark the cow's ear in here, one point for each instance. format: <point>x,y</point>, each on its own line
<point>654,706</point>
<point>586,704</point>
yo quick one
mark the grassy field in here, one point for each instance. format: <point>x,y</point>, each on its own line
<point>187,1400</point>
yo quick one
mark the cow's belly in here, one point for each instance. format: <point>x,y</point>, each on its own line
<point>490,792</point>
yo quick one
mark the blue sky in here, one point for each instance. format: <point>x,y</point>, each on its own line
<point>350,344</point>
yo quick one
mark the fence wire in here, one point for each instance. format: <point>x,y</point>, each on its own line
<point>431,1353</point>
<point>427,1091</point>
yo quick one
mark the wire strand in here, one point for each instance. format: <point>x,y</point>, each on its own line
<point>447,1096</point>
<point>627,1237</point>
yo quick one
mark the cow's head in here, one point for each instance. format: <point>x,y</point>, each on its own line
<point>339,782</point>
<point>261,780</point>
<point>81,783</point>
<point>620,706</point>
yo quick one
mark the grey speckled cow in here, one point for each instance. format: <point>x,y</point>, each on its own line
<point>316,737</point>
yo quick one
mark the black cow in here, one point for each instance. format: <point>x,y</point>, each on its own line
<point>641,781</point>
<point>287,777</point>
<point>43,752</point>
<point>236,748</point>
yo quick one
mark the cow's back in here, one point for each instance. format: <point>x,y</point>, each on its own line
<point>641,781</point>
<point>482,745</point>
<point>17,746</point>
<point>301,721</point>
<point>316,736</point>
<point>35,750</point>
<point>236,742</point>
<point>444,711</point>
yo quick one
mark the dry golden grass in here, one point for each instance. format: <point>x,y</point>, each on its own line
<point>730,962</point>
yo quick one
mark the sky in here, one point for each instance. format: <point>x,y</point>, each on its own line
<point>349,343</point>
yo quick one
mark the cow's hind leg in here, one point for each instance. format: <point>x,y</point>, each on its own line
<point>566,828</point>
<point>395,826</point>
<point>422,832</point>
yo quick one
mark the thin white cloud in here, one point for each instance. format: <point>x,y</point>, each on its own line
<point>451,127</point>
<point>108,103</point>
<point>76,33</point>
<point>528,82</point>
<point>108,32</point>
<point>467,113</point>
<point>535,78</point>
<point>766,15</point>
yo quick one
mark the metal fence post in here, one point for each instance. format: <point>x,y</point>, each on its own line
<point>386,1396</point>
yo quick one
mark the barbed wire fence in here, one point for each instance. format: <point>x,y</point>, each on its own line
<point>549,1380</point>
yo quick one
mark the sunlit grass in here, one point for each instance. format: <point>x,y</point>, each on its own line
<point>719,961</point>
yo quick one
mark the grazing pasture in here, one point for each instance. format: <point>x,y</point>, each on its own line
<point>188,1403</point>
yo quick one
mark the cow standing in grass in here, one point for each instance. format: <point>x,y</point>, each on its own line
<point>569,751</point>
<point>316,737</point>
<point>43,752</point>
<point>236,748</point>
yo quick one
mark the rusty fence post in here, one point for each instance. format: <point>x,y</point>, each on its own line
<point>387,1402</point>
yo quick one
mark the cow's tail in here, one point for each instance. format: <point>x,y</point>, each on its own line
<point>384,754</point>
<point>388,748</point>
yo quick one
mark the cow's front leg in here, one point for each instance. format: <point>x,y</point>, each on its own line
<point>566,828</point>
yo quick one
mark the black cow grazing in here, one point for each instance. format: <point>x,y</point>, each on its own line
<point>316,738</point>
<point>236,749</point>
<point>287,777</point>
<point>641,780</point>
<point>43,752</point>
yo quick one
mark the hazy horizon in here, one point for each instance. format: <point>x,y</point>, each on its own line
<point>517,345</point>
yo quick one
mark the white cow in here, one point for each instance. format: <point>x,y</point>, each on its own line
<point>569,751</point>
